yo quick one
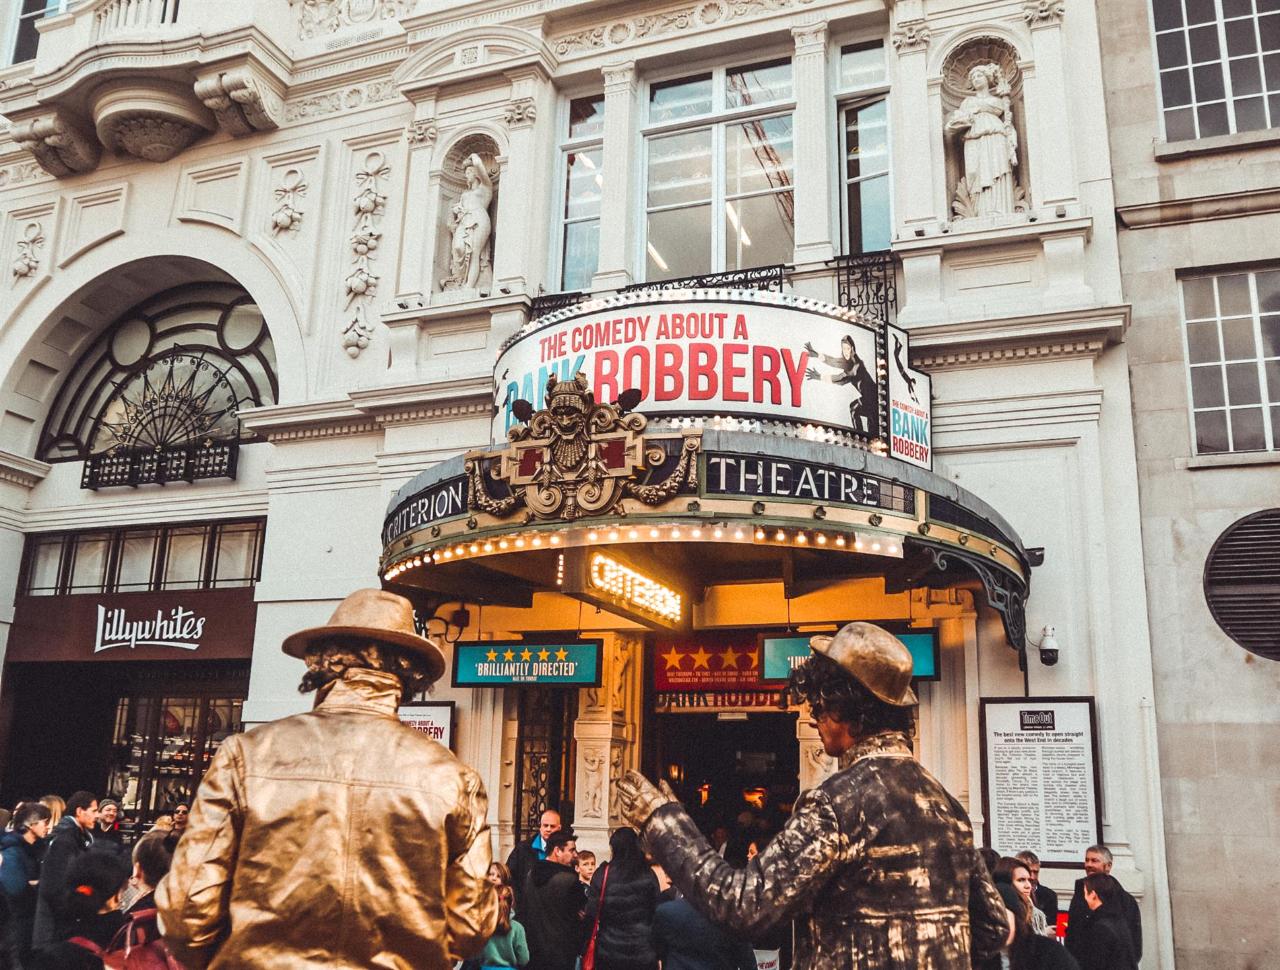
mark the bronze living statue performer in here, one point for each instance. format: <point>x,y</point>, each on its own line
<point>339,838</point>
<point>877,864</point>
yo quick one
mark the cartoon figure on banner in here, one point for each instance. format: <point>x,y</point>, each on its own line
<point>851,370</point>
<point>902,369</point>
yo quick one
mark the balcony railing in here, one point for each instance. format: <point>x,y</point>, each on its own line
<point>159,466</point>
<point>126,16</point>
<point>868,284</point>
<point>551,302</point>
<point>767,278</point>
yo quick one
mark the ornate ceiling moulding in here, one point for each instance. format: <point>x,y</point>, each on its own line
<point>696,16</point>
<point>151,123</point>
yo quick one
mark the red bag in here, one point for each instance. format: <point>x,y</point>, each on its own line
<point>589,954</point>
<point>136,946</point>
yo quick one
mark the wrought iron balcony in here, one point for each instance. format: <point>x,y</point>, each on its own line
<point>767,278</point>
<point>159,466</point>
<point>867,283</point>
<point>551,302</point>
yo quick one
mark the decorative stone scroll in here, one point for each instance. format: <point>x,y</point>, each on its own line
<point>911,35</point>
<point>317,18</point>
<point>59,144</point>
<point>240,102</point>
<point>1037,11</point>
<point>422,133</point>
<point>28,246</point>
<point>362,283</point>
<point>521,112</point>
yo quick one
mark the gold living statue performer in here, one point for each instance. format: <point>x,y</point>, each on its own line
<point>876,865</point>
<point>338,838</point>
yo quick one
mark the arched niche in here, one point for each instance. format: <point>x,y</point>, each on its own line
<point>464,262</point>
<point>965,199</point>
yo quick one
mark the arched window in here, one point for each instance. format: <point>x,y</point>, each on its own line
<point>157,396</point>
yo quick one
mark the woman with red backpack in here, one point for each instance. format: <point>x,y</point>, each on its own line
<point>92,905</point>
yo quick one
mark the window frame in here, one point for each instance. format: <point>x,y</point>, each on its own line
<point>1270,430</point>
<point>718,120</point>
<point>856,98</point>
<point>564,147</point>
<point>52,8</point>
<point>1223,62</point>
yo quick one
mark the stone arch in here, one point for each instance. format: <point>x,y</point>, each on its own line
<point>474,52</point>
<point>45,336</point>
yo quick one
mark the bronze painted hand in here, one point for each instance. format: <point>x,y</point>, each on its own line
<point>638,798</point>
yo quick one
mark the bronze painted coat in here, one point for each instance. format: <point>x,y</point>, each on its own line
<point>876,865</point>
<point>338,838</point>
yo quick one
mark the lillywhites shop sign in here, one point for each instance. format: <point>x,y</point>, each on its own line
<point>760,356</point>
<point>179,627</point>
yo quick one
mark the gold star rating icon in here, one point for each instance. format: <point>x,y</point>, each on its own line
<point>491,655</point>
<point>701,659</point>
<point>729,659</point>
<point>526,655</point>
<point>562,654</point>
<point>673,657</point>
<point>508,655</point>
<point>544,655</point>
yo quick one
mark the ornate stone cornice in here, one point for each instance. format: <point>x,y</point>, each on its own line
<point>1043,11</point>
<point>810,38</point>
<point>1048,336</point>
<point>1207,208</point>
<point>619,78</point>
<point>520,113</point>
<point>967,357</point>
<point>911,35</point>
<point>24,472</point>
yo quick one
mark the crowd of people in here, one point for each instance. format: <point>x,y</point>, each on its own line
<point>74,888</point>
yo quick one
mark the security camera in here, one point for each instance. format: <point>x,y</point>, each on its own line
<point>1048,646</point>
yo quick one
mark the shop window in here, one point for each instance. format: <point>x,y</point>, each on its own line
<point>1232,340</point>
<point>1219,64</point>
<point>864,141</point>
<point>89,562</point>
<point>184,558</point>
<point>137,559</point>
<point>719,162</point>
<point>236,563</point>
<point>583,167</point>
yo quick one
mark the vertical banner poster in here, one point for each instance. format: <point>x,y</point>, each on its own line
<point>1040,777</point>
<point>432,718</point>
<point>910,405</point>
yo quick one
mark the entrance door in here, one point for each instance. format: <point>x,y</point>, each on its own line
<point>737,771</point>
<point>544,756</point>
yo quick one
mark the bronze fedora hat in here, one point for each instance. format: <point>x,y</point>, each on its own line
<point>875,658</point>
<point>372,614</point>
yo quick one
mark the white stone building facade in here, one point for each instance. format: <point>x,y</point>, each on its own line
<point>306,159</point>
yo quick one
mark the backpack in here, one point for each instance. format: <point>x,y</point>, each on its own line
<point>136,946</point>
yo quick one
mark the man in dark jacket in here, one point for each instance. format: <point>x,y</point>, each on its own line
<point>21,850</point>
<point>551,906</point>
<point>684,939</point>
<point>1101,940</point>
<point>876,865</point>
<point>1097,861</point>
<point>71,839</point>
<point>525,854</point>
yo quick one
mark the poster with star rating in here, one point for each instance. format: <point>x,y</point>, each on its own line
<point>703,662</point>
<point>504,663</point>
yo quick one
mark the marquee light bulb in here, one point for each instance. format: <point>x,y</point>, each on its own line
<point>759,533</point>
<point>537,540</point>
<point>718,533</point>
<point>592,536</point>
<point>781,536</point>
<point>800,538</point>
<point>555,540</point>
<point>696,533</point>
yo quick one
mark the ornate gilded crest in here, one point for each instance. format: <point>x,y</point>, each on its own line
<point>576,458</point>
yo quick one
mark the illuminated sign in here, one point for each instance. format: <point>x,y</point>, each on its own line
<point>177,627</point>
<point>782,654</point>
<point>767,356</point>
<point>729,474</point>
<point>633,589</point>
<point>498,663</point>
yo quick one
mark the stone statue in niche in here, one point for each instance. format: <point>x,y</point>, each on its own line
<point>984,121</point>
<point>470,228</point>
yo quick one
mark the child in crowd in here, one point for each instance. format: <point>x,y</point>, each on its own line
<point>586,867</point>
<point>507,947</point>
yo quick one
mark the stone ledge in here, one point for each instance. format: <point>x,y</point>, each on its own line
<point>1241,460</point>
<point>1172,151</point>
<point>1204,208</point>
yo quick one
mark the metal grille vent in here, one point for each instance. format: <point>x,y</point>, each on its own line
<point>1242,583</point>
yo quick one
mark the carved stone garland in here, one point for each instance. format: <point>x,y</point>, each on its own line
<point>362,283</point>
<point>287,217</point>
<point>317,18</point>
<point>29,245</point>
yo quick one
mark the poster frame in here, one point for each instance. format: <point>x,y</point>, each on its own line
<point>408,707</point>
<point>1089,701</point>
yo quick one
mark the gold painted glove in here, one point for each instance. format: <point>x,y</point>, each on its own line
<point>638,799</point>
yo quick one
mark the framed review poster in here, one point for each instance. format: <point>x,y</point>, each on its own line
<point>1040,787</point>
<point>432,718</point>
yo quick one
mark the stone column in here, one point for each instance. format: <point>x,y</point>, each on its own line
<point>607,732</point>
<point>813,141</point>
<point>517,200</point>
<point>914,167</point>
<point>1049,110</point>
<point>617,223</point>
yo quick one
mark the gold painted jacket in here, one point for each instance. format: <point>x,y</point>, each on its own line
<point>338,838</point>
<point>876,866</point>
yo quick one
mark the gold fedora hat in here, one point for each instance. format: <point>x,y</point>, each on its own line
<point>875,658</point>
<point>372,614</point>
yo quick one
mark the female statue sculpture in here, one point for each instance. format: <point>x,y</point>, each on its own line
<point>990,145</point>
<point>470,225</point>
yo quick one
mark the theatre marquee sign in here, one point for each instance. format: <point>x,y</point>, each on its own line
<point>771,358</point>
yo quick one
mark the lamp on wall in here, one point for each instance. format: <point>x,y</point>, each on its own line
<point>1048,646</point>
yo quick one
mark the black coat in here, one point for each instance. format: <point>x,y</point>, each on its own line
<point>20,867</point>
<point>684,939</point>
<point>101,929</point>
<point>1034,952</point>
<point>626,922</point>
<point>68,842</point>
<point>1127,908</point>
<point>1046,901</point>
<point>1102,941</point>
<point>520,862</point>
<point>551,908</point>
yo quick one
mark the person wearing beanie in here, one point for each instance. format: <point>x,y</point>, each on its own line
<point>91,905</point>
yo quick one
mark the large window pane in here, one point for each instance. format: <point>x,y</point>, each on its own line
<point>1211,432</point>
<point>1233,295</point>
<point>1242,384</point>
<point>237,560</point>
<point>1237,339</point>
<point>184,558</point>
<point>1271,339</point>
<point>862,66</point>
<point>680,168</point>
<point>867,192</point>
<point>89,568</point>
<point>137,559</point>
<point>679,243</point>
<point>759,230</point>
<point>586,117</point>
<point>1168,13</point>
<point>685,98</point>
<point>1248,433</point>
<point>581,254</point>
<point>866,140</point>
<point>758,84</point>
<point>869,223</point>
<point>28,40</point>
<point>1197,298</point>
<point>46,561</point>
<point>1206,387</point>
<point>584,184</point>
<point>758,156</point>
<point>1202,343</point>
